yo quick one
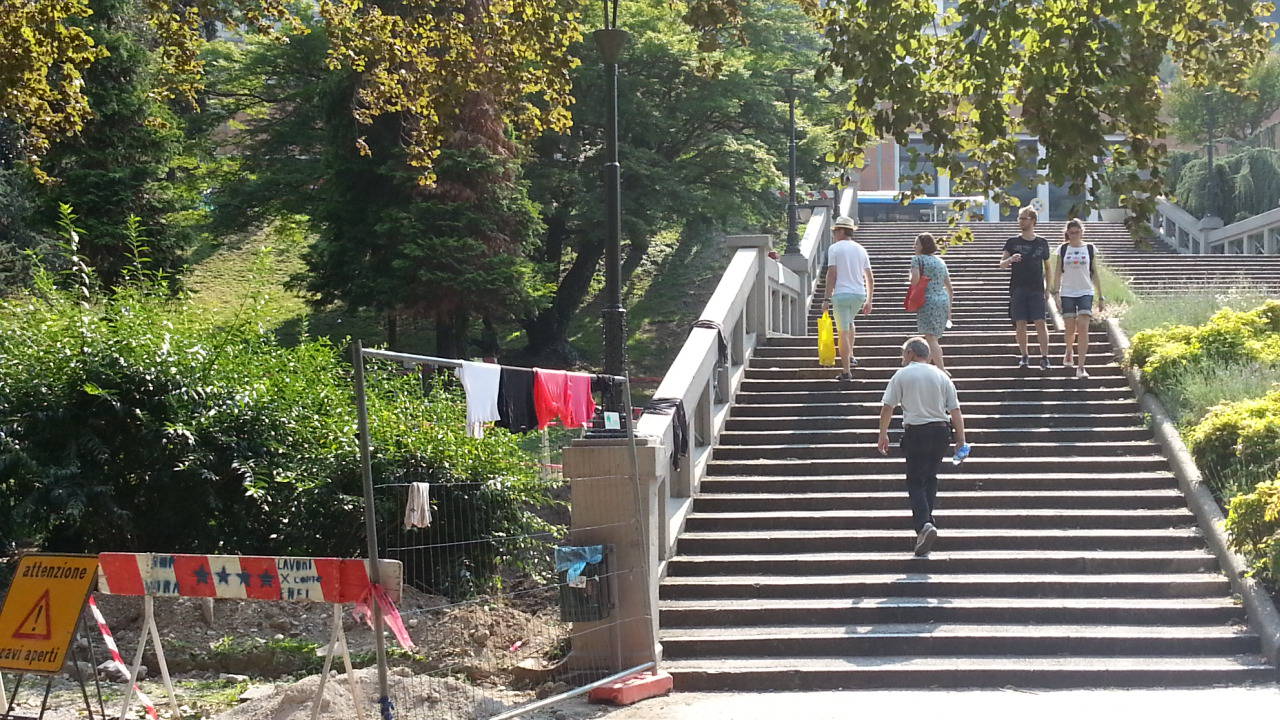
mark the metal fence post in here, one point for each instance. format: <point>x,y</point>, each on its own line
<point>371,526</point>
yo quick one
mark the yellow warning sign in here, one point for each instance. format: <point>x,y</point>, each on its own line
<point>41,611</point>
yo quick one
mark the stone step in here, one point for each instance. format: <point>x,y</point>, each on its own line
<point>1004,338</point>
<point>958,364</point>
<point>926,583</point>
<point>870,407</point>
<point>1127,422</point>
<point>933,639</point>
<point>711,501</point>
<point>973,562</point>
<point>783,435</point>
<point>951,540</point>
<point>1103,447</point>
<point>1161,612</point>
<point>951,480</point>
<point>1033,389</point>
<point>979,465</point>
<point>756,674</point>
<point>974,351</point>
<point>964,378</point>
<point>949,518</point>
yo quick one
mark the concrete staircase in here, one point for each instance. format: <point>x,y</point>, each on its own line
<point>1067,556</point>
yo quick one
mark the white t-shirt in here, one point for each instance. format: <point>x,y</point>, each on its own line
<point>1076,281</point>
<point>925,393</point>
<point>851,263</point>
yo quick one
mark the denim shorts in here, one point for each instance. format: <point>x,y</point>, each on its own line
<point>846,306</point>
<point>1073,306</point>
<point>1026,304</point>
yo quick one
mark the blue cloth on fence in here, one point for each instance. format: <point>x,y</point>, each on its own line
<point>573,560</point>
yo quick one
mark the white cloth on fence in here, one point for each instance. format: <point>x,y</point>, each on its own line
<point>417,509</point>
<point>481,381</point>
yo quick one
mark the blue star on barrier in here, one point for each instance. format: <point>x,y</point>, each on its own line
<point>244,578</point>
<point>223,575</point>
<point>266,579</point>
<point>202,576</point>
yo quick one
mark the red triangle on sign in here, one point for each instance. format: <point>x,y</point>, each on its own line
<point>36,625</point>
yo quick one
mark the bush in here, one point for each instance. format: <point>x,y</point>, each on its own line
<point>1247,431</point>
<point>128,421</point>
<point>1230,336</point>
<point>1253,524</point>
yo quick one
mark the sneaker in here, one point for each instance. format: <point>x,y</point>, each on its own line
<point>1044,362</point>
<point>853,362</point>
<point>924,541</point>
<point>1081,373</point>
<point>1068,360</point>
<point>844,376</point>
<point>1024,362</point>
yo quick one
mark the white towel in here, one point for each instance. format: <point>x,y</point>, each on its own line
<point>481,381</point>
<point>417,509</point>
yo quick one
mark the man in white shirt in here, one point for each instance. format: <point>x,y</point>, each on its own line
<point>930,412</point>
<point>850,287</point>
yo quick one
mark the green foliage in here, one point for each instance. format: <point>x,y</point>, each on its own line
<point>1229,336</point>
<point>1200,113</point>
<point>1247,432</point>
<point>1241,185</point>
<point>1253,524</point>
<point>130,421</point>
<point>1070,73</point>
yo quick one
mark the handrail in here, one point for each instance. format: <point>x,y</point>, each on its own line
<point>1257,235</point>
<point>755,298</point>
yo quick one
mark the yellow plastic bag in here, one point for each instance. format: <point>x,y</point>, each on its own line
<point>826,340</point>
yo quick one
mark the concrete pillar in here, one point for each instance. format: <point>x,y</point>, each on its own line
<point>992,209</point>
<point>607,508</point>
<point>1042,190</point>
<point>760,309</point>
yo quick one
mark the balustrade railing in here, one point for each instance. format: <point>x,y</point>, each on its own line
<point>1185,233</point>
<point>756,297</point>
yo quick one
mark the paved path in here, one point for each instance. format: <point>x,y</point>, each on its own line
<point>1201,704</point>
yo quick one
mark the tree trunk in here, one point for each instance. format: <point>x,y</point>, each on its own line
<point>392,323</point>
<point>548,331</point>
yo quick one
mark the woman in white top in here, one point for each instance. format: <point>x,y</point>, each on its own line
<point>1076,283</point>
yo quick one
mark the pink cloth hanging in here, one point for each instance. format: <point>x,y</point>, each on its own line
<point>550,390</point>
<point>579,403</point>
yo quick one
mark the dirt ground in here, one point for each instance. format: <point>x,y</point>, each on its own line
<point>471,660</point>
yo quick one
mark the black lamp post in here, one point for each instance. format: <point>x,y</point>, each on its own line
<point>610,41</point>
<point>793,237</point>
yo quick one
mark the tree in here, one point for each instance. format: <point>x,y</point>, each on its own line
<point>128,158</point>
<point>452,251</point>
<point>1070,73</point>
<point>1201,114</point>
<point>702,143</point>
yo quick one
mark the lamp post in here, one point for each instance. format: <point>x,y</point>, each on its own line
<point>610,41</point>
<point>793,237</point>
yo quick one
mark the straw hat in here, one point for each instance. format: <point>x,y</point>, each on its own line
<point>846,222</point>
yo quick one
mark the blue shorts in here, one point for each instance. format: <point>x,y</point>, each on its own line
<point>846,306</point>
<point>1073,306</point>
<point>1026,304</point>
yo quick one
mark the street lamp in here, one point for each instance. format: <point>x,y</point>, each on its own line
<point>793,237</point>
<point>610,41</point>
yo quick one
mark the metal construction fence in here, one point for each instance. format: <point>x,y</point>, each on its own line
<point>510,598</point>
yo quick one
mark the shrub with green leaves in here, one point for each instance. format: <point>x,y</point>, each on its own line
<point>1245,432</point>
<point>1163,354</point>
<point>1253,524</point>
<point>128,421</point>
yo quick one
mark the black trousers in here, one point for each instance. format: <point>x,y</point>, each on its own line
<point>924,446</point>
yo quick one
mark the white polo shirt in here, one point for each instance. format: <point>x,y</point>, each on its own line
<point>925,393</point>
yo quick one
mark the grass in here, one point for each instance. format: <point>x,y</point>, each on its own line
<point>1194,307</point>
<point>1202,388</point>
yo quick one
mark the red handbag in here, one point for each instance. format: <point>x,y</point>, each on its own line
<point>915,294</point>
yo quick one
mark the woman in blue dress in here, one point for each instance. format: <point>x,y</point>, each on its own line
<point>932,318</point>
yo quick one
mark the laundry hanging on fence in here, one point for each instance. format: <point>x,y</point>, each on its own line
<point>579,401</point>
<point>417,508</point>
<point>550,388</point>
<point>515,400</point>
<point>572,561</point>
<point>481,382</point>
<point>679,425</point>
<point>722,345</point>
<point>562,395</point>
